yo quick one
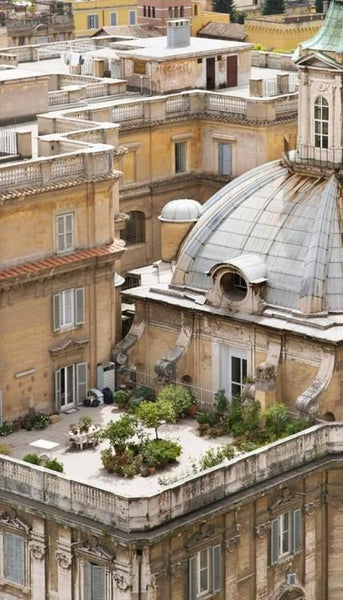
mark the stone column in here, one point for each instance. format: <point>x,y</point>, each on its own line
<point>64,562</point>
<point>37,561</point>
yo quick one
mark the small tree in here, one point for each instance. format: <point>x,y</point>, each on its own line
<point>273,7</point>
<point>119,432</point>
<point>179,397</point>
<point>224,6</point>
<point>152,414</point>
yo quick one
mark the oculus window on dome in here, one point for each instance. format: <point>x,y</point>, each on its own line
<point>234,286</point>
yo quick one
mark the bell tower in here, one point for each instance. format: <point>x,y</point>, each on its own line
<point>320,63</point>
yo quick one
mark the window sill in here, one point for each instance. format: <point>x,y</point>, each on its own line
<point>11,586</point>
<point>68,328</point>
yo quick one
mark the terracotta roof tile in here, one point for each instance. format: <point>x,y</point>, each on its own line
<point>45,264</point>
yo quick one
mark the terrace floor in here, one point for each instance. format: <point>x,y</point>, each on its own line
<point>86,466</point>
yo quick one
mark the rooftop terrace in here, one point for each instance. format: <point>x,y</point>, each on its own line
<point>140,504</point>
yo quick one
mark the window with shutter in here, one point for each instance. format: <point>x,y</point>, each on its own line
<point>14,558</point>
<point>81,382</point>
<point>114,19</point>
<point>68,308</point>
<point>274,541</point>
<point>65,232</point>
<point>224,158</point>
<point>297,531</point>
<point>204,573</point>
<point>180,157</point>
<point>95,581</point>
<point>79,306</point>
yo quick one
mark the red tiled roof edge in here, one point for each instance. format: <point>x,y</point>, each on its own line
<point>56,261</point>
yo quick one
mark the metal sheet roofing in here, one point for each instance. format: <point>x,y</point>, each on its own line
<point>290,220</point>
<point>329,38</point>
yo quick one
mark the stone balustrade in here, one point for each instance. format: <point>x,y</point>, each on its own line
<point>90,162</point>
<point>141,513</point>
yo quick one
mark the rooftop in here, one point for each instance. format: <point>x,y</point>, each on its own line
<point>157,47</point>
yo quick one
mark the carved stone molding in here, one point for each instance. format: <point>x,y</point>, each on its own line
<point>176,569</point>
<point>123,582</point>
<point>313,506</point>
<point>262,530</point>
<point>10,518</point>
<point>37,550</point>
<point>286,496</point>
<point>64,559</point>
<point>232,543</point>
<point>165,367</point>
<point>119,353</point>
<point>91,546</point>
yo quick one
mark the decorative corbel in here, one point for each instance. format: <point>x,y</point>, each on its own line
<point>119,353</point>
<point>37,550</point>
<point>122,581</point>
<point>64,559</point>
<point>312,507</point>
<point>262,529</point>
<point>165,367</point>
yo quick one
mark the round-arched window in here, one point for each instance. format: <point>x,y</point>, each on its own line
<point>234,286</point>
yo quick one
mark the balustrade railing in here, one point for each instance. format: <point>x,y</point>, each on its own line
<point>8,142</point>
<point>177,104</point>
<point>127,112</point>
<point>141,512</point>
<point>225,104</point>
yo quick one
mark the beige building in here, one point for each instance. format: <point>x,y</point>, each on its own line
<point>253,292</point>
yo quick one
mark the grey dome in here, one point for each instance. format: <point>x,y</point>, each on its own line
<point>181,211</point>
<point>289,219</point>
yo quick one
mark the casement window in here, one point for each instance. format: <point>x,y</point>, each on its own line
<point>65,232</point>
<point>286,535</point>
<point>114,19</point>
<point>70,385</point>
<point>132,17</point>
<point>93,21</point>
<point>205,570</point>
<point>134,232</point>
<point>238,375</point>
<point>95,581</point>
<point>224,158</point>
<point>321,123</point>
<point>180,157</point>
<point>68,308</point>
<point>14,558</point>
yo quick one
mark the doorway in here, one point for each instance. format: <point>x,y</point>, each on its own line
<point>210,74</point>
<point>70,385</point>
<point>232,70</point>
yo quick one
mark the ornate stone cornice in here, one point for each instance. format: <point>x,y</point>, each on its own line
<point>10,518</point>
<point>204,533</point>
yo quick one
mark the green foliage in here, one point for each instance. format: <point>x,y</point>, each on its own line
<point>179,397</point>
<point>220,402</point>
<point>126,465</point>
<point>208,417</point>
<point>273,7</point>
<point>143,392</point>
<point>224,6</point>
<point>5,429</point>
<point>276,418</point>
<point>54,465</point>
<point>121,397</point>
<point>34,459</point>
<point>259,47</point>
<point>40,421</point>
<point>152,414</point>
<point>85,422</point>
<point>160,452</point>
<point>5,449</point>
<point>119,432</point>
<point>215,456</point>
<point>319,6</point>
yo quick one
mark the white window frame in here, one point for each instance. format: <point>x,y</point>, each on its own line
<point>132,17</point>
<point>75,299</point>
<point>115,15</point>
<point>180,157</point>
<point>224,364</point>
<point>22,584</point>
<point>213,578</point>
<point>321,104</point>
<point>278,551</point>
<point>224,162</point>
<point>92,21</point>
<point>62,244</point>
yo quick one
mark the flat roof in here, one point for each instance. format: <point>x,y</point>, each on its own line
<point>157,47</point>
<point>16,73</point>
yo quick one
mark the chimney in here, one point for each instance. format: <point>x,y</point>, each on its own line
<point>178,33</point>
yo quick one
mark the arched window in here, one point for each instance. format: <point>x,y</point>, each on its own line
<point>195,10</point>
<point>170,10</point>
<point>321,123</point>
<point>134,233</point>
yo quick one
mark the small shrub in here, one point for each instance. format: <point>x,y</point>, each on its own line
<point>215,456</point>
<point>54,465</point>
<point>160,452</point>
<point>143,392</point>
<point>40,421</point>
<point>5,450</point>
<point>34,459</point>
<point>208,417</point>
<point>5,429</point>
<point>181,399</point>
<point>121,397</point>
<point>152,414</point>
<point>221,402</point>
<point>276,418</point>
<point>119,432</point>
<point>85,423</point>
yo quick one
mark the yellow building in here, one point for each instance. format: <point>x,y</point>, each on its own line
<point>282,31</point>
<point>90,15</point>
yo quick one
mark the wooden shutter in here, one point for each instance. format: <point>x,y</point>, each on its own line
<point>81,382</point>
<point>14,558</point>
<point>87,576</point>
<point>216,568</point>
<point>79,306</point>
<point>296,537</point>
<point>274,542</point>
<point>98,582</point>
<point>192,578</point>
<point>57,311</point>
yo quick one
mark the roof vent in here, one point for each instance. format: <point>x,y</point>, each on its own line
<point>178,33</point>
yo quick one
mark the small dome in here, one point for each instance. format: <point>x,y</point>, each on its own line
<point>181,211</point>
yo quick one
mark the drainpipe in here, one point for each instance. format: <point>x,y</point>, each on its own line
<point>139,554</point>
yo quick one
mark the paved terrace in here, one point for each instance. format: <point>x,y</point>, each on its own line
<point>87,490</point>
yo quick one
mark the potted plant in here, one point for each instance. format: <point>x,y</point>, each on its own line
<point>119,433</point>
<point>85,423</point>
<point>121,398</point>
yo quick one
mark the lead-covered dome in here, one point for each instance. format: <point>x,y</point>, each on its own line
<point>181,211</point>
<point>292,221</point>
